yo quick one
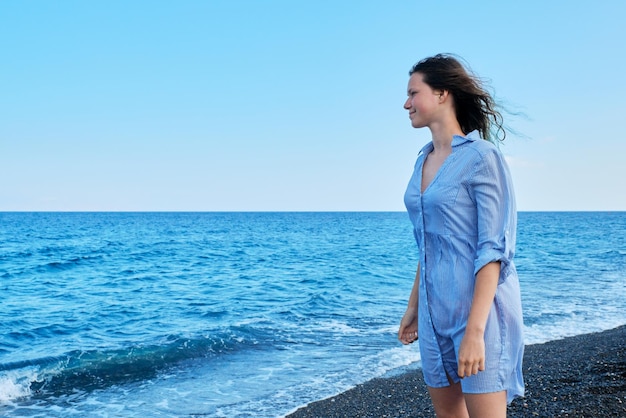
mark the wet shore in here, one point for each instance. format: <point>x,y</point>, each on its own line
<point>581,376</point>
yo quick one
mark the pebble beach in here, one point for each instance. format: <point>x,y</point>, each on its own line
<point>580,376</point>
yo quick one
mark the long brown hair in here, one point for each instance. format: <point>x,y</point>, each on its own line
<point>475,108</point>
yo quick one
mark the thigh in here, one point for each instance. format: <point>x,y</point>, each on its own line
<point>486,405</point>
<point>449,401</point>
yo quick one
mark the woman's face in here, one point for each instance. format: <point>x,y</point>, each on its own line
<point>422,103</point>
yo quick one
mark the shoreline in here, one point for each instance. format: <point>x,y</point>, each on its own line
<point>580,376</point>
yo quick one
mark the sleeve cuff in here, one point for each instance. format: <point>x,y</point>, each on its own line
<point>490,256</point>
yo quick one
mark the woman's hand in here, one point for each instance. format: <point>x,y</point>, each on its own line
<point>471,354</point>
<point>407,333</point>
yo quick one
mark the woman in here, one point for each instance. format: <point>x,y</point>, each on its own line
<point>465,304</point>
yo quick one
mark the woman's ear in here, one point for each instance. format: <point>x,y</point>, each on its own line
<point>442,95</point>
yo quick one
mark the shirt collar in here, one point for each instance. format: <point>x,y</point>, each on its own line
<point>456,140</point>
<point>460,139</point>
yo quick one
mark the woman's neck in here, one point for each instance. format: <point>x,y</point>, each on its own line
<point>443,133</point>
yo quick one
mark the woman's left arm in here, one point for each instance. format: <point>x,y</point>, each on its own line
<point>472,350</point>
<point>493,195</point>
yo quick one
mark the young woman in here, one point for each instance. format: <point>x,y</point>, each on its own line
<point>465,305</point>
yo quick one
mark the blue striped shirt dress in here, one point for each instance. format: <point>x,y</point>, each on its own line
<point>465,219</point>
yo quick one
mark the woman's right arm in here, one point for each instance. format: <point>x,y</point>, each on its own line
<point>408,326</point>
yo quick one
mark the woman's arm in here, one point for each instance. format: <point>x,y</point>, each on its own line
<point>496,220</point>
<point>408,325</point>
<point>472,349</point>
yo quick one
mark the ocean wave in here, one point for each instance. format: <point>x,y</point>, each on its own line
<point>98,369</point>
<point>71,262</point>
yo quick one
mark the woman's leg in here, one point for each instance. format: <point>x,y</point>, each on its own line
<point>449,401</point>
<point>486,405</point>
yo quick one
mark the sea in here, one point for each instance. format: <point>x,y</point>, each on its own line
<point>250,314</point>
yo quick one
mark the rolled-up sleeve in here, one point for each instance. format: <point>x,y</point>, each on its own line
<point>496,212</point>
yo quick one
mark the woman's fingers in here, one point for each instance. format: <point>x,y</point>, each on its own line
<point>408,337</point>
<point>471,356</point>
<point>469,368</point>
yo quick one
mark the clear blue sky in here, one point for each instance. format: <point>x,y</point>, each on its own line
<point>294,105</point>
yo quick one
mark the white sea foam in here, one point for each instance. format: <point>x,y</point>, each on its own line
<point>537,334</point>
<point>390,359</point>
<point>335,326</point>
<point>15,384</point>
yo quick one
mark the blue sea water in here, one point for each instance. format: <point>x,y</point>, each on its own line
<point>249,314</point>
